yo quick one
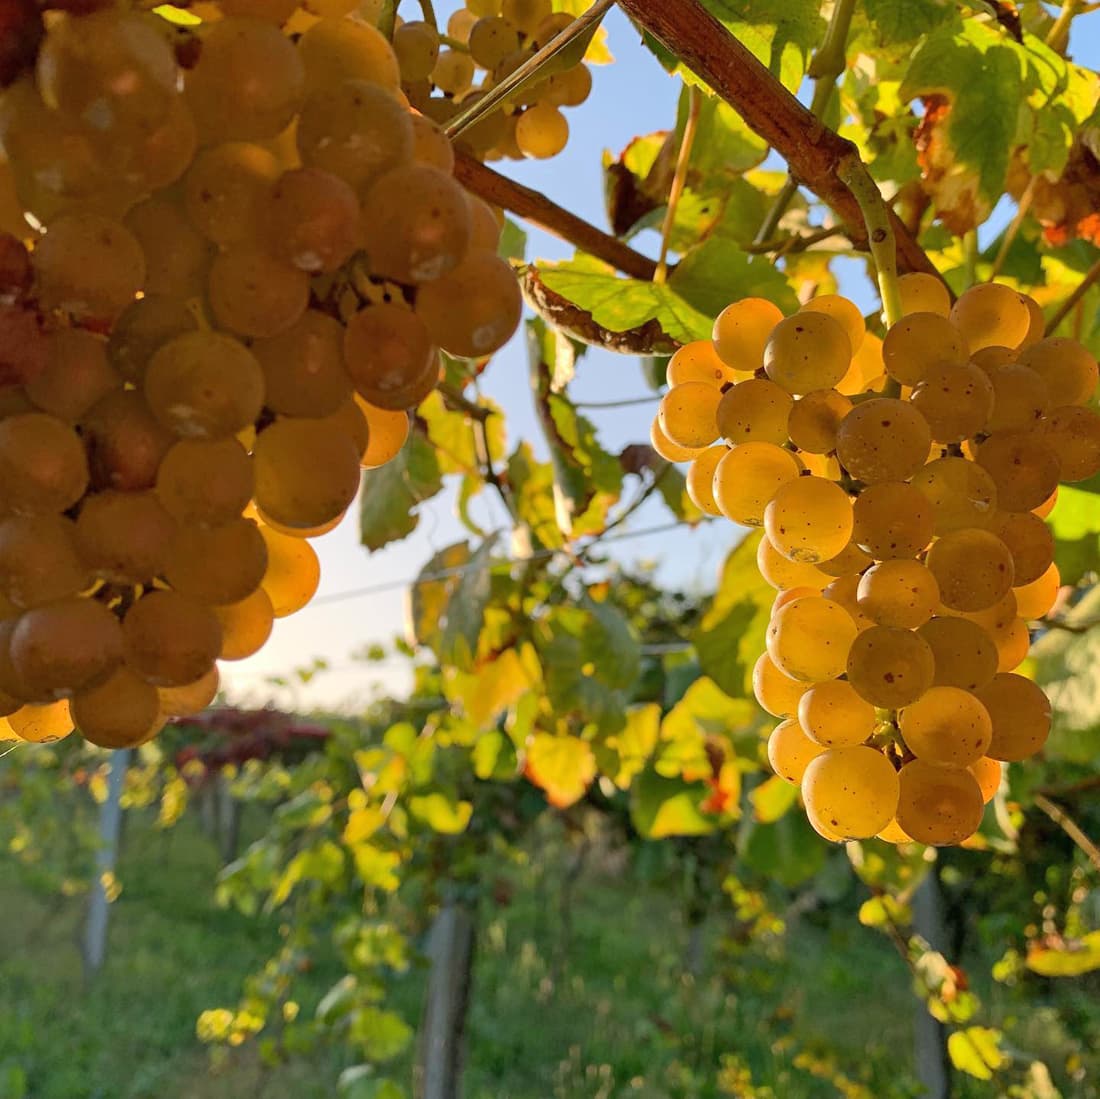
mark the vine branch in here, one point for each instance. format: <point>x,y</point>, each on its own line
<point>536,208</point>
<point>1079,292</point>
<point>1070,827</point>
<point>813,152</point>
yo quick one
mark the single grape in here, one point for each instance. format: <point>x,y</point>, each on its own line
<point>225,188</point>
<point>806,352</point>
<point>853,791</point>
<point>311,220</point>
<point>43,467</point>
<point>205,483</point>
<point>124,537</point>
<point>42,724</point>
<point>246,625</point>
<point>964,652</point>
<point>667,449</point>
<point>358,131</point>
<point>1013,644</point>
<point>390,356</point>
<point>526,15</point>
<point>170,640</point>
<point>1020,399</point>
<point>190,698</point>
<point>850,561</point>
<point>303,367</point>
<point>485,225</point>
<point>809,519</point>
<point>89,266</point>
<point>475,310</point>
<point>972,567</point>
<point>754,410</point>
<point>1068,369</point>
<point>890,668</point>
<point>698,362</point>
<point>1073,433</point>
<point>254,294</point>
<point>1024,467</point>
<point>783,573</point>
<point>815,419</point>
<point>892,519</point>
<point>748,477</point>
<point>570,88</point>
<point>453,73</point>
<point>121,712</point>
<point>899,593</point>
<point>386,431</point>
<point>1030,542</point>
<point>809,638</point>
<point>895,834</point>
<point>293,572</point>
<point>306,474</point>
<point>776,691</point>
<point>992,358</point>
<point>431,145</point>
<point>741,332</point>
<point>417,47</point>
<point>39,562</point>
<point>938,805</point>
<point>75,376</point>
<point>1021,716</point>
<point>790,751</point>
<point>204,385</point>
<point>229,108</point>
<point>65,646</point>
<point>956,399</point>
<point>961,493</point>
<point>688,414</point>
<point>699,481</point>
<point>919,342</point>
<point>835,716</point>
<point>988,774</point>
<point>867,370</point>
<point>843,311</point>
<point>921,293</point>
<point>1035,600</point>
<point>845,591</point>
<point>883,440</point>
<point>217,565</point>
<point>946,726</point>
<point>990,314</point>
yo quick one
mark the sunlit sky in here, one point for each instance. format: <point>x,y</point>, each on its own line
<point>633,96</point>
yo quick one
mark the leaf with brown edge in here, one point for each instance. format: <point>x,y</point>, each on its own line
<point>646,339</point>
<point>563,766</point>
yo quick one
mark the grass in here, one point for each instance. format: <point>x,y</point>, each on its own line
<point>606,1012</point>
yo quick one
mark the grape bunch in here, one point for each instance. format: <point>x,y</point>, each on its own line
<point>493,38</point>
<point>242,255</point>
<point>902,486</point>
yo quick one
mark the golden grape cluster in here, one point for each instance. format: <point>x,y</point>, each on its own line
<point>241,256</point>
<point>488,41</point>
<point>902,486</point>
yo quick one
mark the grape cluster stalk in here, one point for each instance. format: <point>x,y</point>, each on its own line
<point>901,485</point>
<point>231,256</point>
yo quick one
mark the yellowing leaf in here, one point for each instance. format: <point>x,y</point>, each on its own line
<point>976,1050</point>
<point>441,814</point>
<point>772,798</point>
<point>1071,960</point>
<point>563,766</point>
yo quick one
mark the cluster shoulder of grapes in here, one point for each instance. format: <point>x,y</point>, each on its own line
<point>902,486</point>
<point>248,251</point>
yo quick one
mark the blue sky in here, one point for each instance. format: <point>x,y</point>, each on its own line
<point>633,96</point>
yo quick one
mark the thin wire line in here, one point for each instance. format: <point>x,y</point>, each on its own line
<point>459,570</point>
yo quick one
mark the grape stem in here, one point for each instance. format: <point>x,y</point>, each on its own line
<point>1058,35</point>
<point>880,232</point>
<point>827,66</point>
<point>542,212</point>
<point>1070,827</point>
<point>428,10</point>
<point>1067,306</point>
<point>501,92</point>
<point>812,150</point>
<point>679,180</point>
<point>387,19</point>
<point>1013,229</point>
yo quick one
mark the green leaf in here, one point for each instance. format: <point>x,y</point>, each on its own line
<point>1075,522</point>
<point>382,1035</point>
<point>724,146</point>
<point>464,612</point>
<point>884,911</point>
<point>623,754</point>
<point>392,494</point>
<point>976,1050</point>
<point>731,634</point>
<point>360,1082</point>
<point>718,271</point>
<point>622,304</point>
<point>532,485</point>
<point>661,807</point>
<point>440,813</point>
<point>787,850</point>
<point>452,434</point>
<point>896,22</point>
<point>706,710</point>
<point>513,241</point>
<point>1071,960</point>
